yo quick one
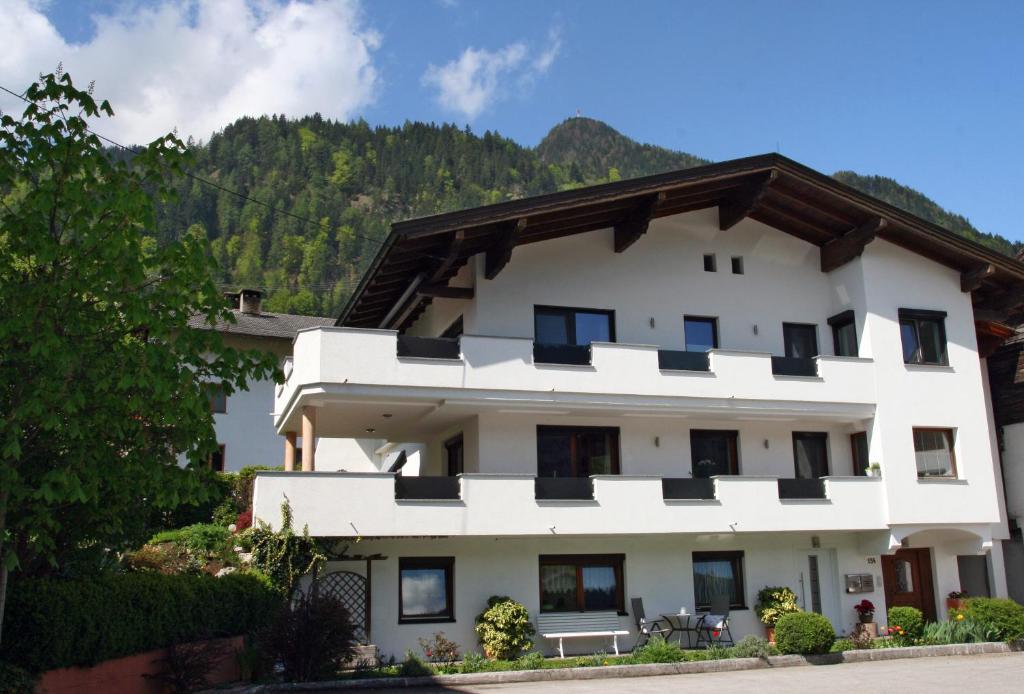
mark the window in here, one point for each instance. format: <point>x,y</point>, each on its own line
<point>933,449</point>
<point>216,459</point>
<point>453,451</point>
<point>924,336</point>
<point>426,589</point>
<point>701,333</point>
<point>859,446</point>
<point>218,398</point>
<point>810,454</point>
<point>737,265</point>
<point>709,263</point>
<point>581,583</point>
<point>454,330</point>
<point>718,573</point>
<point>577,451</point>
<point>800,339</point>
<point>713,452</point>
<point>844,334</point>
<point>572,326</point>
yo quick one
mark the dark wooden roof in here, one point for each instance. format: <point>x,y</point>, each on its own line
<point>421,255</point>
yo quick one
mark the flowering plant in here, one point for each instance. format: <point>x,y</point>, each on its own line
<point>864,607</point>
<point>957,594</point>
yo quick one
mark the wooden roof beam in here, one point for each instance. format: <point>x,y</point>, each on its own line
<point>500,252</point>
<point>850,245</point>
<point>629,230</point>
<point>973,279</point>
<point>443,291</point>
<point>402,300</point>
<point>736,207</point>
<point>1005,304</point>
<point>458,240</point>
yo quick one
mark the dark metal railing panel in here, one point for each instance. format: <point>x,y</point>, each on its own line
<point>687,488</point>
<point>563,488</point>
<point>802,489</point>
<point>546,353</point>
<point>429,347</point>
<point>794,366</point>
<point>676,360</point>
<point>412,487</point>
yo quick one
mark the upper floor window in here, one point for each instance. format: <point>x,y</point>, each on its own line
<point>933,449</point>
<point>556,325</point>
<point>218,398</point>
<point>924,336</point>
<point>810,454</point>
<point>454,330</point>
<point>714,452</point>
<point>581,583</point>
<point>577,451</point>
<point>800,340</point>
<point>454,452</point>
<point>859,450</point>
<point>217,458</point>
<point>737,265</point>
<point>701,333</point>
<point>710,264</point>
<point>844,334</point>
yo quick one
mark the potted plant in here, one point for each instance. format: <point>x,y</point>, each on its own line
<point>873,470</point>
<point>772,603</point>
<point>865,611</point>
<point>955,600</point>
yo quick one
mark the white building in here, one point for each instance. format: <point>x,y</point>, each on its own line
<point>666,388</point>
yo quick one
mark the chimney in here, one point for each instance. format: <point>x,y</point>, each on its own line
<point>249,301</point>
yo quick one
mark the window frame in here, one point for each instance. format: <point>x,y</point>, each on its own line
<point>579,561</point>
<point>737,559</point>
<point>455,441</point>
<point>737,265</point>
<point>447,564</point>
<point>222,452</point>
<point>950,440</point>
<point>215,393</point>
<point>563,428</point>
<point>820,435</point>
<point>713,320</point>
<point>573,310</point>
<point>837,323</point>
<point>914,317</point>
<point>854,437</point>
<point>733,441</point>
<point>710,262</point>
<point>786,326</point>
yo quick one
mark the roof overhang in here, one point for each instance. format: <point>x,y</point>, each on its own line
<point>420,256</point>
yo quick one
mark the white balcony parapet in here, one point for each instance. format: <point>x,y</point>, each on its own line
<point>341,360</point>
<point>338,504</point>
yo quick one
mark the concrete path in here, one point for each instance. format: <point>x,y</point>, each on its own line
<point>1002,672</point>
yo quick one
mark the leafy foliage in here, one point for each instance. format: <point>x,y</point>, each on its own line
<point>440,649</point>
<point>1004,617</point>
<point>504,628</point>
<point>773,602</point>
<point>312,638</point>
<point>284,556</point>
<point>413,666</point>
<point>959,629</point>
<point>82,622</point>
<point>909,618</point>
<point>753,647</point>
<point>15,680</point>
<point>187,666</point>
<point>658,650</point>
<point>804,633</point>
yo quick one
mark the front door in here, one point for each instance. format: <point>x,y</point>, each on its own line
<point>820,585</point>
<point>907,576</point>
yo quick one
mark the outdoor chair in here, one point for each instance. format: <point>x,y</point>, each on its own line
<point>714,626</point>
<point>644,628</point>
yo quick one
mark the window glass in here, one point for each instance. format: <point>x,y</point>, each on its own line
<point>846,340</point>
<point>425,588</point>
<point>801,340</point>
<point>718,573</point>
<point>933,449</point>
<point>929,334</point>
<point>713,453</point>
<point>593,327</point>
<point>599,588</point>
<point>924,336</point>
<point>579,583</point>
<point>700,333</point>
<point>557,588</point>
<point>454,453</point>
<point>908,333</point>
<point>859,444</point>
<point>217,458</point>
<point>810,451</point>
<point>555,325</point>
<point>904,576</point>
<point>551,328</point>
<point>218,398</point>
<point>577,451</point>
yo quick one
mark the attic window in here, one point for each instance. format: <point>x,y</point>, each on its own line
<point>709,262</point>
<point>737,265</point>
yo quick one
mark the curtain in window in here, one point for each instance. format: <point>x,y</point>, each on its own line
<point>713,577</point>
<point>599,588</point>
<point>933,453</point>
<point>558,587</point>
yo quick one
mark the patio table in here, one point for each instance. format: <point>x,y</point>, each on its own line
<point>688,624</point>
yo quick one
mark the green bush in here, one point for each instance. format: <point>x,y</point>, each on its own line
<point>1005,618</point>
<point>62,623</point>
<point>412,666</point>
<point>804,633</point>
<point>910,618</point>
<point>504,628</point>
<point>753,647</point>
<point>842,645</point>
<point>658,650</point>
<point>15,680</point>
<point>473,662</point>
<point>773,602</point>
<point>530,661</point>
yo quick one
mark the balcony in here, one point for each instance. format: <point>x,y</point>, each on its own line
<point>802,489</point>
<point>340,504</point>
<point>578,355</point>
<point>794,366</point>
<point>552,488</point>
<point>674,360</point>
<point>428,347</point>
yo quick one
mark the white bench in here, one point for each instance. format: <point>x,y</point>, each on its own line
<point>579,625</point>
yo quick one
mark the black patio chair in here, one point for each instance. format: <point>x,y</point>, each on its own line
<point>645,630</point>
<point>714,626</point>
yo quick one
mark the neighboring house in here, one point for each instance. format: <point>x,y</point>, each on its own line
<point>667,388</point>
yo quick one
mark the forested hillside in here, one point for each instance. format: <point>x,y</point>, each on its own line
<point>340,185</point>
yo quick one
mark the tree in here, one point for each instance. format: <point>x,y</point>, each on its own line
<point>102,381</point>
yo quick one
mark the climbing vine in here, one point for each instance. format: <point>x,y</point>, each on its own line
<point>285,556</point>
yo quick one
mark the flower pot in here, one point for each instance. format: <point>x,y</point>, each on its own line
<point>955,604</point>
<point>771,634</point>
<point>867,617</point>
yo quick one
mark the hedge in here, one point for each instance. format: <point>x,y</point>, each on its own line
<point>52,623</point>
<point>804,633</point>
<point>1004,617</point>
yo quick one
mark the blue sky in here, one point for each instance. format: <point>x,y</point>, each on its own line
<point>928,93</point>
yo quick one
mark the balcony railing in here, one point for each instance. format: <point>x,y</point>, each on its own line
<point>794,366</point>
<point>579,488</point>
<point>687,488</point>
<point>546,353</point>
<point>426,487</point>
<point>428,347</point>
<point>675,360</point>
<point>802,489</point>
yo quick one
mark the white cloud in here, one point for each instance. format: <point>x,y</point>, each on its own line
<point>476,79</point>
<point>196,65</point>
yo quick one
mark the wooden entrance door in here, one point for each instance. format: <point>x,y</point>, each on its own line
<point>907,576</point>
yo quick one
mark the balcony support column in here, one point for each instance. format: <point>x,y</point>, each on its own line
<point>308,438</point>
<point>289,451</point>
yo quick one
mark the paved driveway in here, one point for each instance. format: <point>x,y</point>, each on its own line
<point>1002,672</point>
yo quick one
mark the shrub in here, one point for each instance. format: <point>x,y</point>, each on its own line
<point>412,666</point>
<point>910,618</point>
<point>504,628</point>
<point>244,521</point>
<point>312,638</point>
<point>804,633</point>
<point>440,649</point>
<point>841,645</point>
<point>773,602</point>
<point>1004,617</point>
<point>15,680</point>
<point>530,661</point>
<point>753,647</point>
<point>658,650</point>
<point>63,623</point>
<point>473,662</point>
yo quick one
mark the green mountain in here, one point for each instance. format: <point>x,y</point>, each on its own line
<point>299,207</point>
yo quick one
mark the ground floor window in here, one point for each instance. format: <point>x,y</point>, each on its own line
<point>581,583</point>
<point>217,458</point>
<point>426,589</point>
<point>718,573</point>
